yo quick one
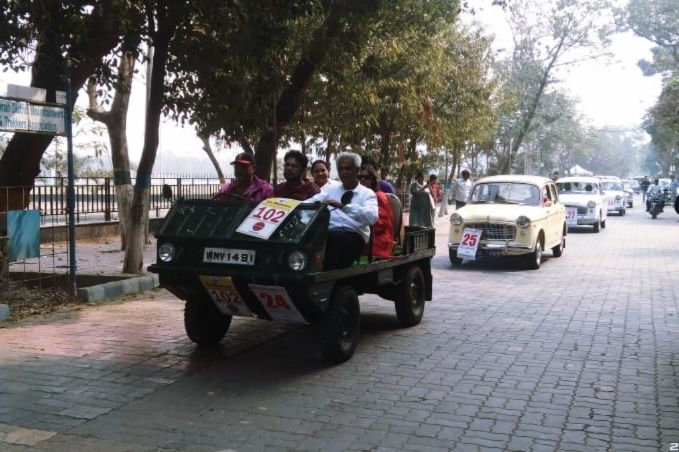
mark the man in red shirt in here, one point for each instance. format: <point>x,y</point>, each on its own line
<point>296,185</point>
<point>245,185</point>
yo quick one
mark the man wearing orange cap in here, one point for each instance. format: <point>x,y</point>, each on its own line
<point>245,185</point>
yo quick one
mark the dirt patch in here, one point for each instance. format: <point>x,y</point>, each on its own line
<point>27,302</point>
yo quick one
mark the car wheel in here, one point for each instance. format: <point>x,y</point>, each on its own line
<point>676,204</point>
<point>622,212</point>
<point>534,259</point>
<point>203,321</point>
<point>454,260</point>
<point>340,325</point>
<point>603,224</point>
<point>557,251</point>
<point>410,297</point>
<point>597,226</point>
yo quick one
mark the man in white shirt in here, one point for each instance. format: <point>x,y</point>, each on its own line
<point>653,190</point>
<point>351,215</point>
<point>463,188</point>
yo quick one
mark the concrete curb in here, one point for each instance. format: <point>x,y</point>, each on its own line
<point>117,288</point>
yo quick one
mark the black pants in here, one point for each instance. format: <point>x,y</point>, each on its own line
<point>341,249</point>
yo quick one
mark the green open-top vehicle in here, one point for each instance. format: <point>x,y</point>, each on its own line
<point>210,254</point>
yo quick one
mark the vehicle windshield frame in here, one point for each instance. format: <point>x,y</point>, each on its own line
<point>505,192</point>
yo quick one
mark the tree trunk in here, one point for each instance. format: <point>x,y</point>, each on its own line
<point>167,23</point>
<point>293,94</point>
<point>20,164</point>
<point>514,148</point>
<point>208,150</point>
<point>116,124</point>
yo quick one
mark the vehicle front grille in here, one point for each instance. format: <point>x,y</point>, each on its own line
<point>494,231</point>
<point>581,210</point>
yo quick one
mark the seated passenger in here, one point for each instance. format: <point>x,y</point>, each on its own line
<point>245,185</point>
<point>296,185</point>
<point>383,229</point>
<point>350,221</point>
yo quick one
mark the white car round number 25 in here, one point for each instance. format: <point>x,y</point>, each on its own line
<point>469,243</point>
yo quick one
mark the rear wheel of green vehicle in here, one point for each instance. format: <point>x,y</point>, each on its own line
<point>204,323</point>
<point>340,325</point>
<point>410,297</point>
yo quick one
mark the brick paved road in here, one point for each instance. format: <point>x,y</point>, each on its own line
<point>580,355</point>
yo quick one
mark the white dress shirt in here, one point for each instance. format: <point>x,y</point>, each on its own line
<point>357,216</point>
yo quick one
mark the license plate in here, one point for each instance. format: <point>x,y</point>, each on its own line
<point>228,256</point>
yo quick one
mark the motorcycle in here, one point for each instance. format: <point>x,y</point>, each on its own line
<point>657,204</point>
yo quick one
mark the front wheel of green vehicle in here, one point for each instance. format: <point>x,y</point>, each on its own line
<point>410,297</point>
<point>204,323</point>
<point>340,325</point>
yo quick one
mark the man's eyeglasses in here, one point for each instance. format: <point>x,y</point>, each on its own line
<point>366,176</point>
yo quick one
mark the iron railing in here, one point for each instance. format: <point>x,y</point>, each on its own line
<point>95,197</point>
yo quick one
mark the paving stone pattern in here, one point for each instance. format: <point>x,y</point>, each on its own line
<point>581,355</point>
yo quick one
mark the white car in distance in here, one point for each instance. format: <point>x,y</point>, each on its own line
<point>584,202</point>
<point>614,195</point>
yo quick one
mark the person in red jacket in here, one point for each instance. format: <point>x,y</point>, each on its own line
<point>383,229</point>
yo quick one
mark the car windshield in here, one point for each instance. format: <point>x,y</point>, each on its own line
<point>572,188</point>
<point>610,185</point>
<point>505,193</point>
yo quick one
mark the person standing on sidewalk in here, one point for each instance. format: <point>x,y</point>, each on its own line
<point>463,188</point>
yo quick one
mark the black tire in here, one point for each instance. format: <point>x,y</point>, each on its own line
<point>557,251</point>
<point>676,204</point>
<point>534,259</point>
<point>596,227</point>
<point>623,212</point>
<point>603,224</point>
<point>340,325</point>
<point>203,321</point>
<point>410,297</point>
<point>454,260</point>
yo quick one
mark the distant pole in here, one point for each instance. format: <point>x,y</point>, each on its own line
<point>70,191</point>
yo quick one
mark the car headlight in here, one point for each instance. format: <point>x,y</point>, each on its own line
<point>297,260</point>
<point>523,222</point>
<point>166,252</point>
<point>456,219</point>
<point>591,204</point>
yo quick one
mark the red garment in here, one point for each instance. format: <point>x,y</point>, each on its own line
<point>300,192</point>
<point>435,189</point>
<point>383,229</point>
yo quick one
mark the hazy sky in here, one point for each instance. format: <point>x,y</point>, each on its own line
<point>613,93</point>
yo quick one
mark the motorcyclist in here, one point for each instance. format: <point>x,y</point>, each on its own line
<point>645,184</point>
<point>652,191</point>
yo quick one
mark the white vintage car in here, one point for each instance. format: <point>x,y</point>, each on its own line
<point>509,216</point>
<point>585,204</point>
<point>613,194</point>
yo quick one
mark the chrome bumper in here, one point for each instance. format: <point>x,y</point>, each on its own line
<point>496,249</point>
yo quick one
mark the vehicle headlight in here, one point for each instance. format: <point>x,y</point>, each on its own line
<point>591,204</point>
<point>618,197</point>
<point>523,222</point>
<point>166,252</point>
<point>456,219</point>
<point>297,260</point>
